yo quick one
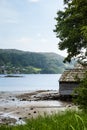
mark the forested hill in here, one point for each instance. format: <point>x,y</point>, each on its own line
<point>16,61</point>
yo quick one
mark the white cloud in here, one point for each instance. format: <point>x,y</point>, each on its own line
<point>28,40</point>
<point>39,35</point>
<point>24,40</point>
<point>34,1</point>
<point>44,40</point>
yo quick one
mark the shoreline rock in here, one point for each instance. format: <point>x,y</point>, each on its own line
<point>19,106</point>
<point>39,95</point>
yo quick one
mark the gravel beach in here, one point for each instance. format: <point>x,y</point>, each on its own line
<point>16,107</point>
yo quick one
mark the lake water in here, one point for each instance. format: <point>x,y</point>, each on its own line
<point>30,82</point>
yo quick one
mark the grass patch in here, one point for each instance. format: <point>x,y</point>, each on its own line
<point>69,120</point>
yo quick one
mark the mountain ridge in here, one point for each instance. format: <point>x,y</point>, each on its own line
<point>18,61</point>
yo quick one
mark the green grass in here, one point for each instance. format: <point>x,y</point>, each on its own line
<point>69,120</point>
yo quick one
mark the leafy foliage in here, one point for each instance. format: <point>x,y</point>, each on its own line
<point>81,93</point>
<point>71,28</point>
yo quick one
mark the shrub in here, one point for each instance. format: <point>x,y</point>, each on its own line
<point>81,92</point>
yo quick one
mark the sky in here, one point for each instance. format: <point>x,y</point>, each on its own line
<point>28,25</point>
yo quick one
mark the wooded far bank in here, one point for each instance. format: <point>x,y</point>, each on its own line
<point>16,61</point>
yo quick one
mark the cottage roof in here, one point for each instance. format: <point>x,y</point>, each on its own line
<point>73,75</point>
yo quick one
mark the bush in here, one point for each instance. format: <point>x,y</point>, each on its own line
<point>81,92</point>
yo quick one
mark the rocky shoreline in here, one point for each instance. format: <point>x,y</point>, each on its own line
<point>39,95</point>
<point>16,107</point>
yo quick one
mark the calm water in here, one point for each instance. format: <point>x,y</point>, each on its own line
<point>30,82</point>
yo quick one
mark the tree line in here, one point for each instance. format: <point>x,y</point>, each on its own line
<point>16,61</point>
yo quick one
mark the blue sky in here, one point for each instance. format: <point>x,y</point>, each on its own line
<point>28,25</point>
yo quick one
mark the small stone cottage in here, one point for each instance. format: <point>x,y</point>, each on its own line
<point>70,79</point>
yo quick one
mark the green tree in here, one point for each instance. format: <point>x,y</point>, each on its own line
<point>71,29</point>
<point>81,92</point>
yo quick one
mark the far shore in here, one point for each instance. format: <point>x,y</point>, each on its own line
<point>16,107</point>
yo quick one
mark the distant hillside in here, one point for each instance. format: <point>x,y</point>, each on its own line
<point>16,61</point>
